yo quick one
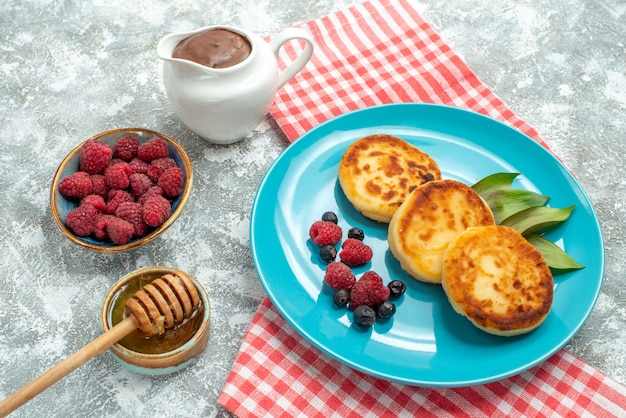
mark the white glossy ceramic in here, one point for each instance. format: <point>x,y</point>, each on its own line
<point>223,105</point>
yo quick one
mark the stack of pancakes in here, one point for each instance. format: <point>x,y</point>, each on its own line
<point>442,231</point>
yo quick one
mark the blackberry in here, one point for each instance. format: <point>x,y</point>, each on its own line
<point>330,217</point>
<point>386,309</point>
<point>356,233</point>
<point>364,316</point>
<point>341,297</point>
<point>328,253</point>
<point>396,288</point>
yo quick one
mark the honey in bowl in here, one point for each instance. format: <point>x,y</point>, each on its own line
<point>170,340</point>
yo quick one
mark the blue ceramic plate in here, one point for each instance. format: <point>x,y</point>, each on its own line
<point>426,343</point>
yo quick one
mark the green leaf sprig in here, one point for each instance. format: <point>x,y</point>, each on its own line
<point>525,211</point>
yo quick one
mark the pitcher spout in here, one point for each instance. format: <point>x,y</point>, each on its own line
<point>166,45</point>
<point>165,49</point>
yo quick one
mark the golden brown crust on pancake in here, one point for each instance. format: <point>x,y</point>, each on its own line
<point>378,172</point>
<point>428,220</point>
<point>498,280</point>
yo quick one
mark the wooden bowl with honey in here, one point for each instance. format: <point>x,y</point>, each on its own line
<point>169,352</point>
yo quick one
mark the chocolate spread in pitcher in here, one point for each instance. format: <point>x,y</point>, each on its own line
<point>215,48</point>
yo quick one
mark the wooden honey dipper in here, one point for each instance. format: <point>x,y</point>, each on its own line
<point>156,307</point>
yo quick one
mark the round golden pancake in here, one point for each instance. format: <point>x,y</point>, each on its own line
<point>379,171</point>
<point>428,220</point>
<point>498,280</point>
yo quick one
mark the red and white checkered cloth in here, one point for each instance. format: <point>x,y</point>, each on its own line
<point>279,374</point>
<point>380,52</point>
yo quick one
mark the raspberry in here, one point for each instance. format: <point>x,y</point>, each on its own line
<point>137,165</point>
<point>115,161</point>
<point>156,210</point>
<point>119,230</point>
<point>76,185</point>
<point>94,200</point>
<point>339,276</point>
<point>116,197</point>
<point>99,228</point>
<point>117,175</point>
<point>99,185</point>
<point>94,157</point>
<point>158,166</point>
<point>171,181</point>
<point>126,148</point>
<point>369,290</point>
<point>131,212</point>
<point>152,149</point>
<point>151,192</point>
<point>139,184</point>
<point>81,219</point>
<point>325,233</point>
<point>355,253</point>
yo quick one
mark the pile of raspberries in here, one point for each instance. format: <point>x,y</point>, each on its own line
<point>368,296</point>
<point>122,192</point>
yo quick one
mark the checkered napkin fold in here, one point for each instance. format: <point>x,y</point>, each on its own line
<point>380,52</point>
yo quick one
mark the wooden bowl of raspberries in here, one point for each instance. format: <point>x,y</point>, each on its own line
<point>120,189</point>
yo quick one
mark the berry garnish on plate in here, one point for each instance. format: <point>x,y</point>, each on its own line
<point>339,276</point>
<point>325,233</point>
<point>328,253</point>
<point>355,253</point>
<point>397,288</point>
<point>368,290</point>
<point>386,309</point>
<point>330,217</point>
<point>356,233</point>
<point>341,297</point>
<point>364,316</point>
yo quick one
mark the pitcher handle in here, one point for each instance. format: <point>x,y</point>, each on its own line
<point>295,66</point>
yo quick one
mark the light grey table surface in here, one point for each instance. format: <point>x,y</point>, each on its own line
<point>72,68</point>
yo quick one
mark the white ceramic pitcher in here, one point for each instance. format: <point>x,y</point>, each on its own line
<point>223,105</point>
